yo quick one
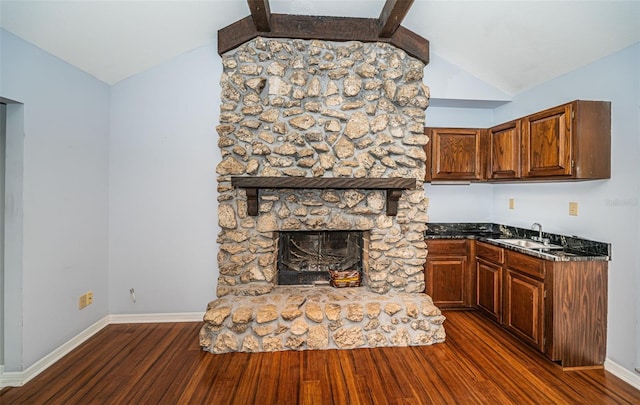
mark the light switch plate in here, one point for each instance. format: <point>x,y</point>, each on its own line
<point>512,203</point>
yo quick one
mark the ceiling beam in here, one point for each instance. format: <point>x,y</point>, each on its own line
<point>263,23</point>
<point>392,15</point>
<point>261,14</point>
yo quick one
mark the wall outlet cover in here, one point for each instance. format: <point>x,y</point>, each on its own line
<point>82,301</point>
<point>573,209</point>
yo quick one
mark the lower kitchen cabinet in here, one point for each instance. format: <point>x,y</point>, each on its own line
<point>448,279</point>
<point>526,279</point>
<point>557,307</point>
<point>489,261</point>
<point>524,307</point>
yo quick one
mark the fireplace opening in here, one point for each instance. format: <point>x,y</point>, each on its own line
<point>307,258</point>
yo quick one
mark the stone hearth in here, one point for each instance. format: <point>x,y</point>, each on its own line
<point>304,318</point>
<point>309,108</point>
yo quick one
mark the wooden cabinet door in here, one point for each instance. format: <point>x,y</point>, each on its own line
<point>489,284</point>
<point>455,154</point>
<point>523,312</point>
<point>546,143</point>
<point>504,152</point>
<point>445,280</point>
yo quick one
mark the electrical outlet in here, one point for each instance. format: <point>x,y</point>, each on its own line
<point>512,203</point>
<point>573,208</point>
<point>85,299</point>
<point>82,301</point>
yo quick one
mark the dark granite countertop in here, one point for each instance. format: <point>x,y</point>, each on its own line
<point>574,248</point>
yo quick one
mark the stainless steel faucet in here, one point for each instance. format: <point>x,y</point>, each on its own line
<point>539,237</point>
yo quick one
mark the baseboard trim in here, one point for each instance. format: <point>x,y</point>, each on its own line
<point>622,373</point>
<point>156,318</point>
<point>10,379</point>
<point>19,378</point>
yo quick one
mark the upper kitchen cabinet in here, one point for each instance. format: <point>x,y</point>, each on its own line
<point>504,151</point>
<point>454,154</point>
<point>570,141</point>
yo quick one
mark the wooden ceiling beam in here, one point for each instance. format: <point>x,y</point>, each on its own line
<point>263,23</point>
<point>261,14</point>
<point>392,15</point>
<point>412,43</point>
<point>319,27</point>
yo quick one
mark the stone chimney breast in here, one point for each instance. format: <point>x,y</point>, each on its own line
<point>311,108</point>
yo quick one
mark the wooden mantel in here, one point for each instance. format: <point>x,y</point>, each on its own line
<point>386,28</point>
<point>392,186</point>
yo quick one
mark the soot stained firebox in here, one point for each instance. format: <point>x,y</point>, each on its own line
<point>305,258</point>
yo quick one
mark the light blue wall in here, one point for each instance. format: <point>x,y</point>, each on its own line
<point>608,209</point>
<point>458,203</point>
<point>13,226</point>
<point>64,200</point>
<point>3,128</point>
<point>459,117</point>
<point>450,85</point>
<point>162,200</point>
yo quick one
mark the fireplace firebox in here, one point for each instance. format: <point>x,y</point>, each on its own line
<point>306,258</point>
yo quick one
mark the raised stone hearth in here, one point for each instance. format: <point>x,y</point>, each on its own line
<point>306,318</point>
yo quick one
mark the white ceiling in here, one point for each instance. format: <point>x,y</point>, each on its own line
<point>512,45</point>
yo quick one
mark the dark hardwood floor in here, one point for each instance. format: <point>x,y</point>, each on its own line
<point>162,364</point>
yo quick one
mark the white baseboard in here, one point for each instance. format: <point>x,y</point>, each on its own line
<point>157,318</point>
<point>19,378</point>
<point>622,373</point>
<point>10,379</point>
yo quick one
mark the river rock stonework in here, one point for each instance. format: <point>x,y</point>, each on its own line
<point>321,109</point>
<point>319,318</point>
<point>310,108</point>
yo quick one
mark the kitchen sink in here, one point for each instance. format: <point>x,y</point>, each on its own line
<point>527,243</point>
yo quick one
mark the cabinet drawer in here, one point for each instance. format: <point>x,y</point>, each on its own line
<point>526,264</point>
<point>489,252</point>
<point>447,246</point>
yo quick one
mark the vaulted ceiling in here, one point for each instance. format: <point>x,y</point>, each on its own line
<point>511,45</point>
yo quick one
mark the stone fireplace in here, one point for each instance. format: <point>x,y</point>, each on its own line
<point>321,110</point>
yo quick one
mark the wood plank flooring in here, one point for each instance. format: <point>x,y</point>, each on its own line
<point>162,364</point>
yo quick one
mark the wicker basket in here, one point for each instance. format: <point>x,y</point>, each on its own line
<point>345,278</point>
